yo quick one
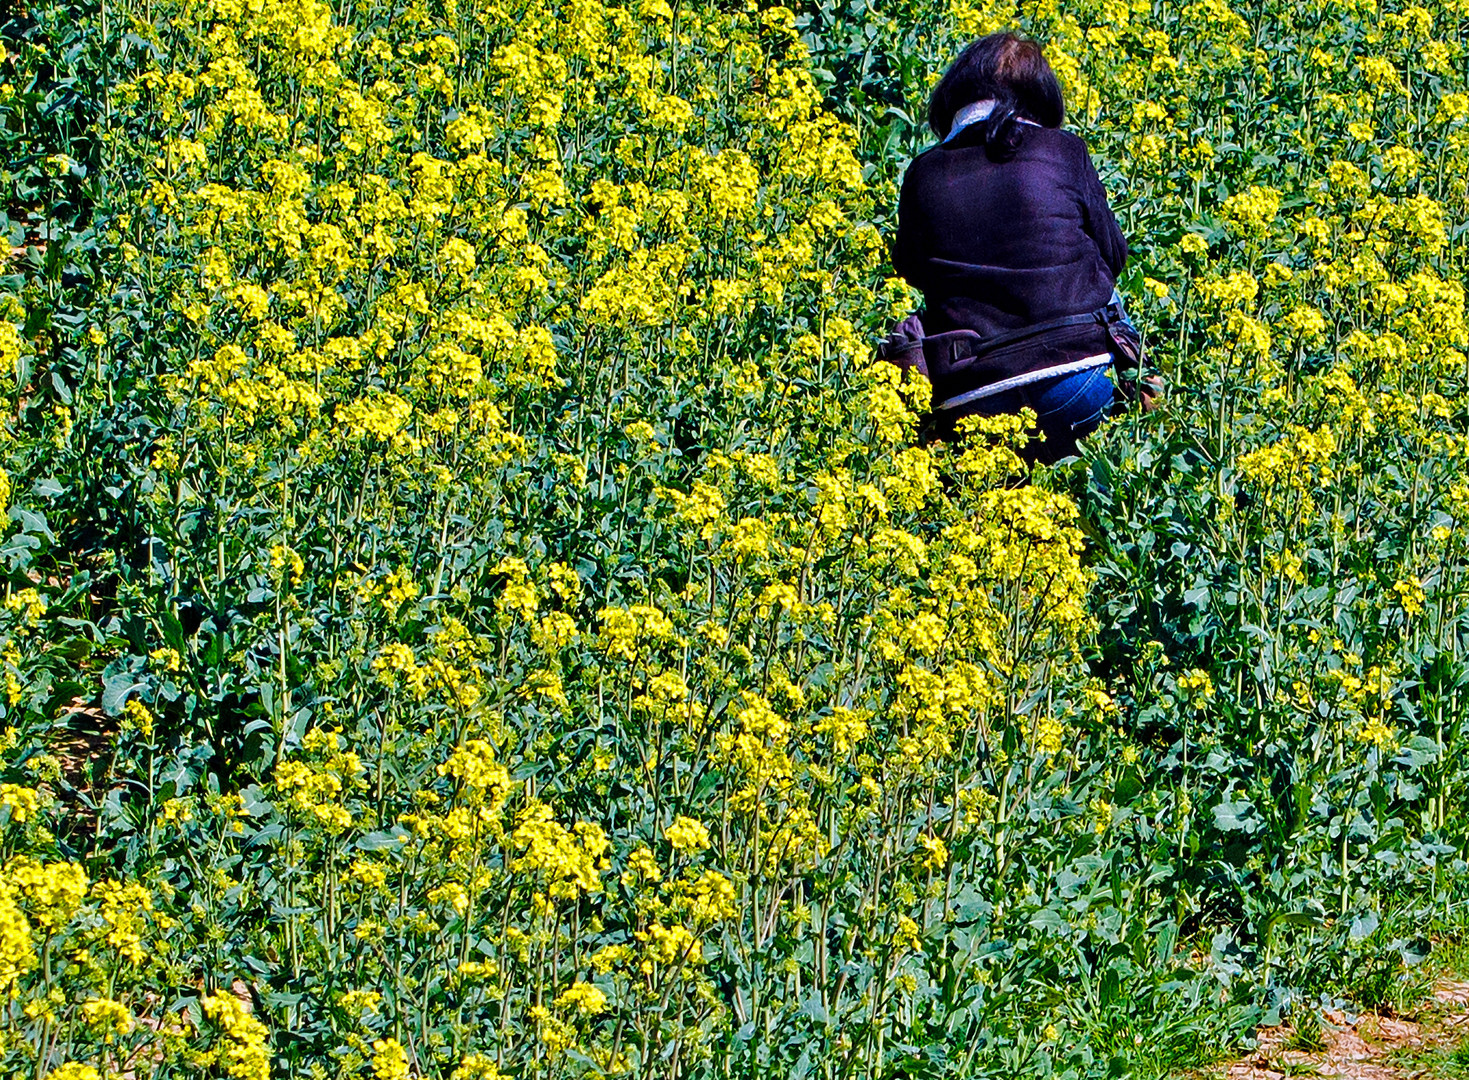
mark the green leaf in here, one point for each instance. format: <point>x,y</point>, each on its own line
<point>1241,816</point>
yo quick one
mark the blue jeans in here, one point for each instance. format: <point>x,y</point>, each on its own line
<point>1067,408</point>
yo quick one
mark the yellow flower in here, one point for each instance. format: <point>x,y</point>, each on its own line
<point>641,865</point>
<point>1253,210</point>
<point>1410,595</point>
<point>907,937</point>
<point>474,766</point>
<point>357,1002</point>
<point>1195,686</point>
<point>136,717</point>
<point>520,595</point>
<point>476,1067</point>
<point>1050,736</point>
<point>687,835</point>
<point>166,658</point>
<point>565,581</point>
<point>1377,733</point>
<point>845,727</point>
<point>283,558</point>
<point>112,1018</point>
<point>669,945</point>
<point>17,955</point>
<point>369,875</point>
<point>389,1060</point>
<point>53,891</point>
<point>29,603</point>
<point>585,998</point>
<point>22,802</point>
<point>125,909</point>
<point>73,1071</point>
<point>626,630</point>
<point>245,1054</point>
<point>935,852</point>
<point>571,859</point>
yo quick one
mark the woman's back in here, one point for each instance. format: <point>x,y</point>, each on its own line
<point>1000,245</point>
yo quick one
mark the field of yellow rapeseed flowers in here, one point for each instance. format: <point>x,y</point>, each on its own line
<point>473,608</point>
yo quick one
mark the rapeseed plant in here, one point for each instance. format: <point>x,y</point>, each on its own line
<point>539,643</point>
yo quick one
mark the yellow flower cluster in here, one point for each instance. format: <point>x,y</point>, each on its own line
<point>244,1050</point>
<point>571,860</point>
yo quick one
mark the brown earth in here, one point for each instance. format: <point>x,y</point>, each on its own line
<point>1364,1047</point>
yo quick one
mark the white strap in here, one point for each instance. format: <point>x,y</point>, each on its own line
<point>1086,364</point>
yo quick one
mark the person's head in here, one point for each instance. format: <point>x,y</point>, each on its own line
<point>1010,70</point>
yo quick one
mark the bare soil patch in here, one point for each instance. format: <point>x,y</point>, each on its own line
<point>1365,1046</point>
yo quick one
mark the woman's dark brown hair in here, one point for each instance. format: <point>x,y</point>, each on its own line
<point>1013,71</point>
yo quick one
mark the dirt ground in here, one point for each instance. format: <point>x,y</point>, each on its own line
<point>1367,1046</point>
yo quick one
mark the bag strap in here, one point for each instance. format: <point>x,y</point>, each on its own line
<point>1107,313</point>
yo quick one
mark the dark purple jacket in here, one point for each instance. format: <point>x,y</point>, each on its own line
<point>998,246</point>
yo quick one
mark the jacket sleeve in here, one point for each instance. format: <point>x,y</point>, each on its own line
<point>908,246</point>
<point>1100,222</point>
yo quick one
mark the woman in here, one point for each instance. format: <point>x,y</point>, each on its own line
<point>1005,227</point>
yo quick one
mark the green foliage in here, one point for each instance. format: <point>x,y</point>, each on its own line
<point>469,597</point>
